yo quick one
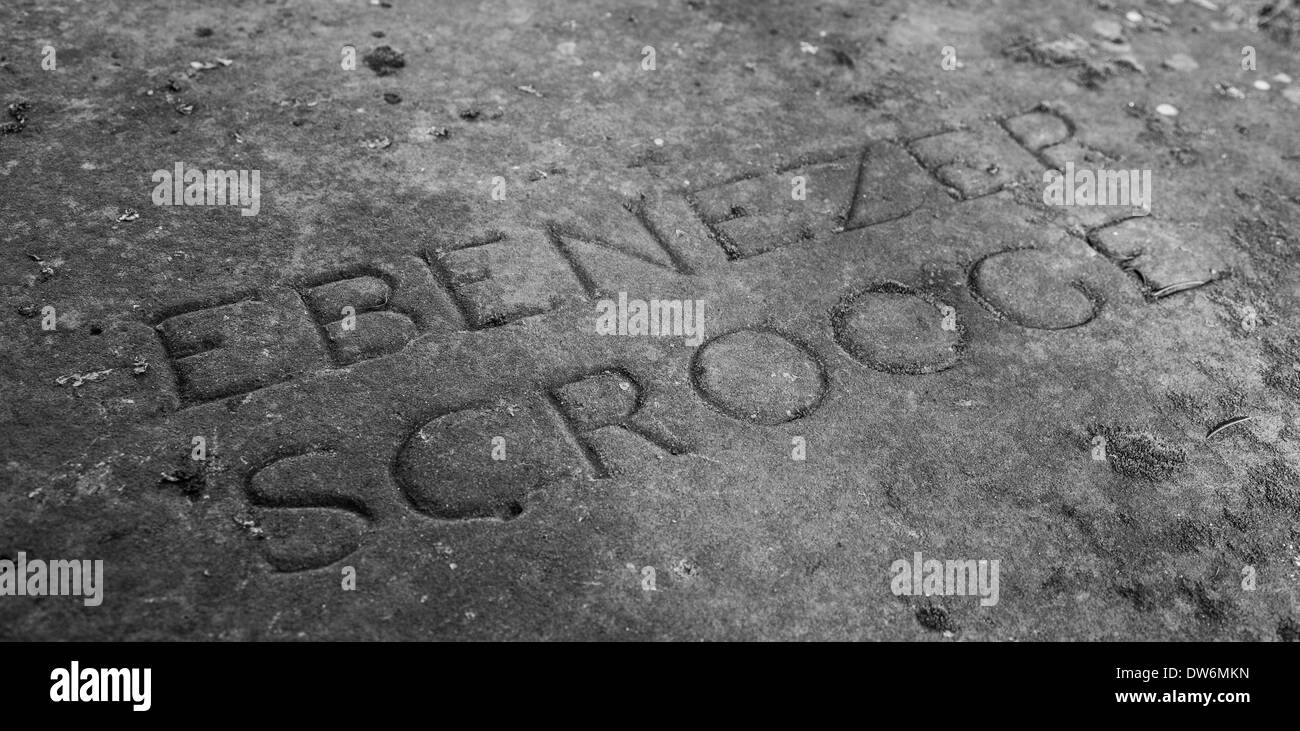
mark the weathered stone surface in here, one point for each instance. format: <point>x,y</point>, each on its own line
<point>917,355</point>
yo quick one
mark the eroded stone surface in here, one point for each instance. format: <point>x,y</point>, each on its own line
<point>771,474</point>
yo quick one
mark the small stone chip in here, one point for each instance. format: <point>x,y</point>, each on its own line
<point>1109,30</point>
<point>1229,91</point>
<point>1181,62</point>
<point>77,379</point>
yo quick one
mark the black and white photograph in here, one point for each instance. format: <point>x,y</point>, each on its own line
<point>382,322</point>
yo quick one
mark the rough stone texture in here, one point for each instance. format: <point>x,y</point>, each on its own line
<point>373,449</point>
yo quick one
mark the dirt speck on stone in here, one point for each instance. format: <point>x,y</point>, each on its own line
<point>648,156</point>
<point>840,58</point>
<point>1288,630</point>
<point>540,174</point>
<point>685,569</point>
<point>18,112</point>
<point>935,618</point>
<point>1139,455</point>
<point>384,61</point>
<point>189,480</point>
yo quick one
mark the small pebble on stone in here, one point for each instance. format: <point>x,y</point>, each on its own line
<point>1108,29</point>
<point>1181,62</point>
